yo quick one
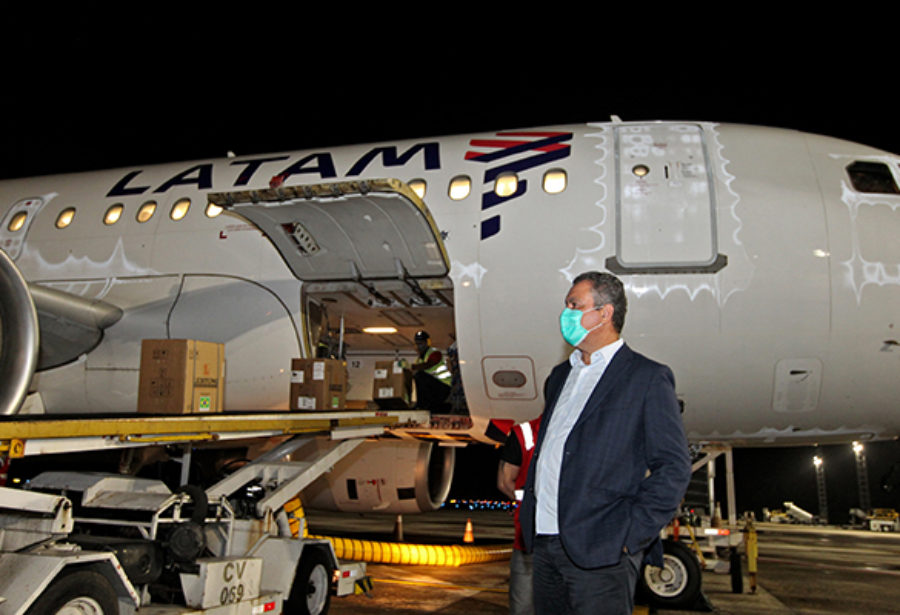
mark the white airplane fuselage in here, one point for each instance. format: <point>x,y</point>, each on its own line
<point>753,265</point>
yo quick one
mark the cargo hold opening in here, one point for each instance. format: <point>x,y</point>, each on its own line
<point>369,254</point>
<point>371,323</point>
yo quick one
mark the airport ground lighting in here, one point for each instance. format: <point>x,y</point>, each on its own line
<point>862,477</point>
<point>820,488</point>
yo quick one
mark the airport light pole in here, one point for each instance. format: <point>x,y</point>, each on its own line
<point>862,477</point>
<point>820,488</point>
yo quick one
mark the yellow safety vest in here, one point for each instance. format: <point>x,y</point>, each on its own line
<point>439,370</point>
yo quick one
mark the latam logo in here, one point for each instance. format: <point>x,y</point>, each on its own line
<point>514,152</point>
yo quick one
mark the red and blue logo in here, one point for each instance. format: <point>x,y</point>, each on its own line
<point>514,152</point>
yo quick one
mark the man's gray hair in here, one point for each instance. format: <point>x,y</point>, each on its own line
<point>607,288</point>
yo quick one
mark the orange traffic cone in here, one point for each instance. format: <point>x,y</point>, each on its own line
<point>469,535</point>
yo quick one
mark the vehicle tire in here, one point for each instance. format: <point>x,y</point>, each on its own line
<point>311,591</point>
<point>80,592</point>
<point>677,583</point>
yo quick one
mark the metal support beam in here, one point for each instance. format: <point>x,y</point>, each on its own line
<point>729,486</point>
<point>711,453</point>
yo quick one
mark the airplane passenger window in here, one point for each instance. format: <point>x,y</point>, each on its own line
<point>65,217</point>
<point>146,211</point>
<point>113,214</point>
<point>17,222</point>
<point>460,187</point>
<point>506,184</point>
<point>418,186</point>
<point>180,209</point>
<point>555,181</point>
<point>640,170</point>
<point>872,177</point>
<point>212,210</point>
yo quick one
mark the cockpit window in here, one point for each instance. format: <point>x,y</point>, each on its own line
<point>872,177</point>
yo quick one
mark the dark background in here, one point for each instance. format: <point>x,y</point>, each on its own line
<point>94,85</point>
<point>764,477</point>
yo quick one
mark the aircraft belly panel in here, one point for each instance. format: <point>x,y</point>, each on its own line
<point>256,325</point>
<point>105,380</point>
<point>146,303</point>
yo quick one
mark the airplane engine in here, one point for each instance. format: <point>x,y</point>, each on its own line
<point>19,342</point>
<point>400,476</point>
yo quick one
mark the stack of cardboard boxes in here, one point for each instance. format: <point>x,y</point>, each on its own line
<point>392,387</point>
<point>188,376</point>
<point>181,377</point>
<point>318,384</point>
<point>321,384</point>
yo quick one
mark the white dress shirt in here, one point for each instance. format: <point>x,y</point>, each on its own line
<point>579,385</point>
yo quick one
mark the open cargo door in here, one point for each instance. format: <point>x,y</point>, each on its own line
<point>361,231</point>
<point>369,254</point>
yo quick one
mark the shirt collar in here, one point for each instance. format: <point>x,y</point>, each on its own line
<point>605,354</point>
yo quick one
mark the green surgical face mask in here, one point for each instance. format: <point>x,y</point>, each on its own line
<point>570,325</point>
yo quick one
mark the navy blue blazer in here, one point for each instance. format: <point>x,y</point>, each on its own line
<point>630,424</point>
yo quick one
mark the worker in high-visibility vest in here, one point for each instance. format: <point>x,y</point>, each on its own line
<point>431,375</point>
<point>515,457</point>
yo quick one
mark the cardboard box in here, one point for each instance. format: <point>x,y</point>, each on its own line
<point>318,384</point>
<point>392,387</point>
<point>181,377</point>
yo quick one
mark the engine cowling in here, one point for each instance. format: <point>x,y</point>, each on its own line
<point>19,337</point>
<point>395,476</point>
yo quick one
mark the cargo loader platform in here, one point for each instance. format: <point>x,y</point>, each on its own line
<point>28,435</point>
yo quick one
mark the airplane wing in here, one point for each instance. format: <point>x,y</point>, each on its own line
<point>70,325</point>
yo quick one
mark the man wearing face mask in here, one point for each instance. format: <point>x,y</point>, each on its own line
<point>610,465</point>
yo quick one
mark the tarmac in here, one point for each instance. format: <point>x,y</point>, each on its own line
<point>717,591</point>
<point>482,588</point>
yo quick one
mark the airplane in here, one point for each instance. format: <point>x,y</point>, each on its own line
<point>761,264</point>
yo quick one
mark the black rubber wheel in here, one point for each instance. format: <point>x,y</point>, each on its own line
<point>737,576</point>
<point>84,592</point>
<point>311,591</point>
<point>677,583</point>
<point>199,505</point>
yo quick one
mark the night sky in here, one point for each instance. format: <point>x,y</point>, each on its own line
<point>89,87</point>
<point>85,87</point>
<point>765,477</point>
